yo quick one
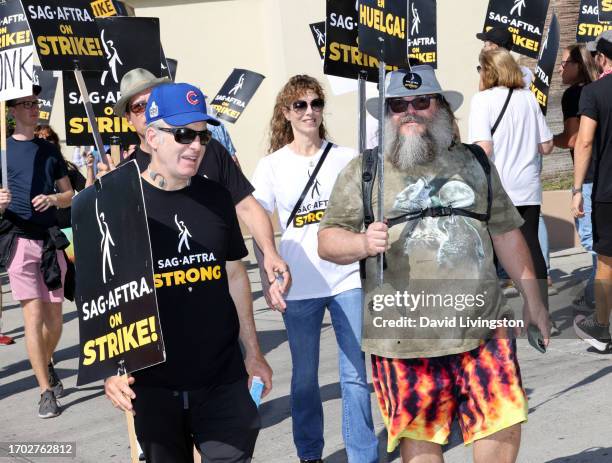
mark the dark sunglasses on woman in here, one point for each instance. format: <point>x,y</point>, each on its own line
<point>186,136</point>
<point>420,103</point>
<point>300,106</point>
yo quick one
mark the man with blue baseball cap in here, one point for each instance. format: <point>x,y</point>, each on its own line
<point>445,212</point>
<point>200,394</point>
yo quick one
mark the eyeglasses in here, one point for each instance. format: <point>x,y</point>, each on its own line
<point>138,108</point>
<point>186,136</point>
<point>563,63</point>
<point>300,106</point>
<point>420,103</point>
<point>29,104</point>
<point>478,69</point>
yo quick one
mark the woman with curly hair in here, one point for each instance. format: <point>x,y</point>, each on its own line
<point>296,178</point>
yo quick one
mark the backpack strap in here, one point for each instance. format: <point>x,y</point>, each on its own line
<point>483,160</point>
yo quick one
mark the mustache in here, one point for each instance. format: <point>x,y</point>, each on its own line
<point>413,118</point>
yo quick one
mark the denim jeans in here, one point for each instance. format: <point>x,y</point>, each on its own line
<point>585,232</point>
<point>303,319</point>
<point>543,239</point>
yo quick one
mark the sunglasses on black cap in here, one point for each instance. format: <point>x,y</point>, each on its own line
<point>186,136</point>
<point>420,103</point>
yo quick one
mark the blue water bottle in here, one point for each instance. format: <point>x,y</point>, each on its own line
<point>257,387</point>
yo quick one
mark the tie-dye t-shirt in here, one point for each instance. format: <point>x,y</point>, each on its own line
<point>441,294</point>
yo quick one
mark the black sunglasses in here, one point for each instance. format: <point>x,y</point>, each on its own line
<point>300,106</point>
<point>399,105</point>
<point>29,104</point>
<point>138,108</point>
<point>186,136</point>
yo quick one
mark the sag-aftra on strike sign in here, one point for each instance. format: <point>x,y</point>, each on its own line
<point>66,36</point>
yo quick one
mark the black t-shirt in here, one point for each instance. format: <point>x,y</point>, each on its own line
<point>33,168</point>
<point>569,106</point>
<point>194,231</point>
<point>596,104</point>
<point>77,181</point>
<point>217,165</point>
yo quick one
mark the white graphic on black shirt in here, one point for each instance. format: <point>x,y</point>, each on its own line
<point>518,7</point>
<point>184,234</point>
<point>105,243</point>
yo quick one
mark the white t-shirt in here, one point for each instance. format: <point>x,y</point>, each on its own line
<point>279,180</point>
<point>515,142</point>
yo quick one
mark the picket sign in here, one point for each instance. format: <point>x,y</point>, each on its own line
<point>129,418</point>
<point>95,130</point>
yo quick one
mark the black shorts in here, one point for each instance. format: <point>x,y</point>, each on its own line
<point>601,217</point>
<point>221,421</point>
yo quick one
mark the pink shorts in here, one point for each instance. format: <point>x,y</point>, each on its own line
<point>25,275</point>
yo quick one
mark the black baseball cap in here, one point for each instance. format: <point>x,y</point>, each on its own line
<point>499,35</point>
<point>36,89</point>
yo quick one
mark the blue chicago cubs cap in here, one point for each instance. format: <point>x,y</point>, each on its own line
<point>177,105</point>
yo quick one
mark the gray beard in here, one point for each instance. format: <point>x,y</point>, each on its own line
<point>406,152</point>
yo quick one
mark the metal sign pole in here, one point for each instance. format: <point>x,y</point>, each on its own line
<point>361,118</point>
<point>90,114</point>
<point>381,161</point>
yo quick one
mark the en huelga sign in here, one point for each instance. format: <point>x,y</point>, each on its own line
<point>115,290</point>
<point>382,30</point>
<point>343,58</point>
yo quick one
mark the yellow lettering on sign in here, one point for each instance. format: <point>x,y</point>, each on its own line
<point>115,124</point>
<point>103,8</point>
<point>15,38</point>
<point>124,339</point>
<point>71,46</point>
<point>352,55</point>
<point>524,42</point>
<point>540,96</point>
<point>428,57</point>
<point>593,30</point>
<point>386,23</point>
<point>606,6</point>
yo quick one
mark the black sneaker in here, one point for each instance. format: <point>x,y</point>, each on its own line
<point>55,382</point>
<point>48,406</point>
<point>312,461</point>
<point>582,306</point>
<point>589,330</point>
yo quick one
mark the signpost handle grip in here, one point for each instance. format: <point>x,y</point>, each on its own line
<point>129,418</point>
<point>91,117</point>
<point>115,150</point>
<point>380,216</point>
<point>3,141</point>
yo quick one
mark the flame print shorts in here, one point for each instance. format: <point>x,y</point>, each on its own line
<point>419,398</point>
